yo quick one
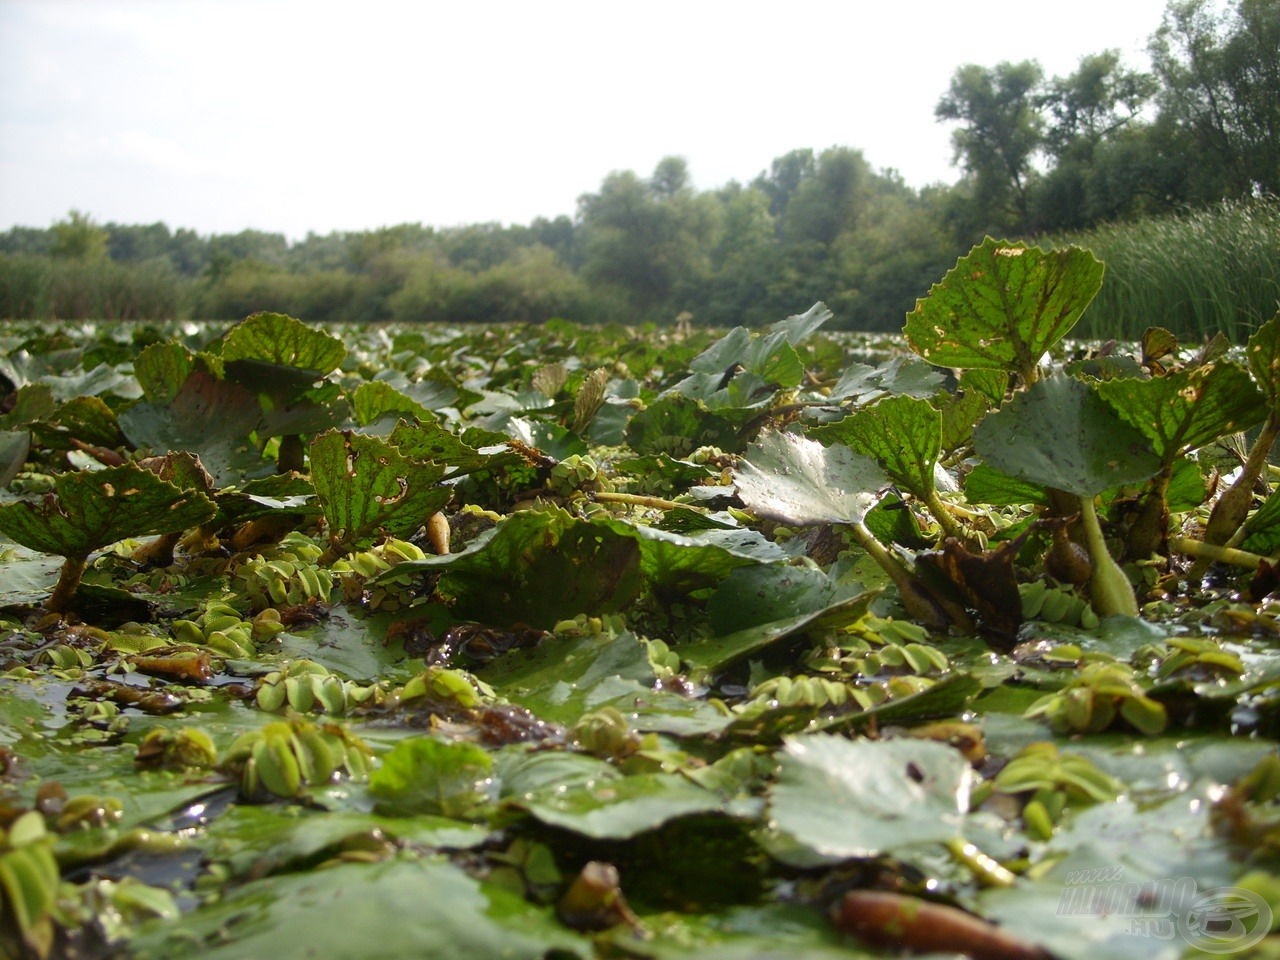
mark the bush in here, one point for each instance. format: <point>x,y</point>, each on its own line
<point>24,286</point>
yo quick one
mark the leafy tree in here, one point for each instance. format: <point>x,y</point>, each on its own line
<point>78,238</point>
<point>374,246</point>
<point>898,250</point>
<point>646,238</point>
<point>1002,128</point>
<point>1093,103</point>
<point>784,178</point>
<point>557,235</point>
<point>670,178</point>
<point>479,246</point>
<point>250,245</point>
<point>1088,110</point>
<point>34,240</point>
<point>188,252</point>
<point>330,251</point>
<point>1220,77</point>
<point>743,260</point>
<point>24,285</point>
<point>828,202</point>
<point>135,243</point>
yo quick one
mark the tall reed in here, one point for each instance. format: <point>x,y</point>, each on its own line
<point>1199,273</point>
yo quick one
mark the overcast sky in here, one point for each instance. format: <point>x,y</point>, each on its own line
<point>299,116</point>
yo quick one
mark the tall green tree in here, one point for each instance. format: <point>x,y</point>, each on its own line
<point>1220,76</point>
<point>1094,106</point>
<point>78,238</point>
<point>743,261</point>
<point>828,202</point>
<point>785,175</point>
<point>1001,129</point>
<point>645,239</point>
<point>1096,101</point>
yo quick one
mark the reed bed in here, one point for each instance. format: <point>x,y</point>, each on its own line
<point>1199,273</point>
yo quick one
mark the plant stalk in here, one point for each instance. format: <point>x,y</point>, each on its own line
<point>1212,553</point>
<point>1229,513</point>
<point>921,603</point>
<point>941,512</point>
<point>1109,589</point>
<point>69,577</point>
<point>639,500</point>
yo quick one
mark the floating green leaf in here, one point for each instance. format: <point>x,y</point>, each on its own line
<point>616,808</point>
<point>565,676</point>
<point>422,908</point>
<point>843,798</point>
<point>759,605</point>
<point>541,566</point>
<point>433,776</point>
<point>799,481</point>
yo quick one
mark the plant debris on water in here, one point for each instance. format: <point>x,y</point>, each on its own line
<point>562,641</point>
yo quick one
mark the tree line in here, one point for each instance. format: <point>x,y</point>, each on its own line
<point>1036,156</point>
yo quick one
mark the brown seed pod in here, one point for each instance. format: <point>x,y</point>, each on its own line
<point>896,921</point>
<point>1068,561</point>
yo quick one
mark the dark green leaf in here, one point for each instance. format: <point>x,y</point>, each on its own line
<point>91,510</point>
<point>31,402</point>
<point>677,425</point>
<point>433,776</point>
<point>366,486</point>
<point>1189,408</point>
<point>616,808</point>
<point>14,447</point>
<point>1061,434</point>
